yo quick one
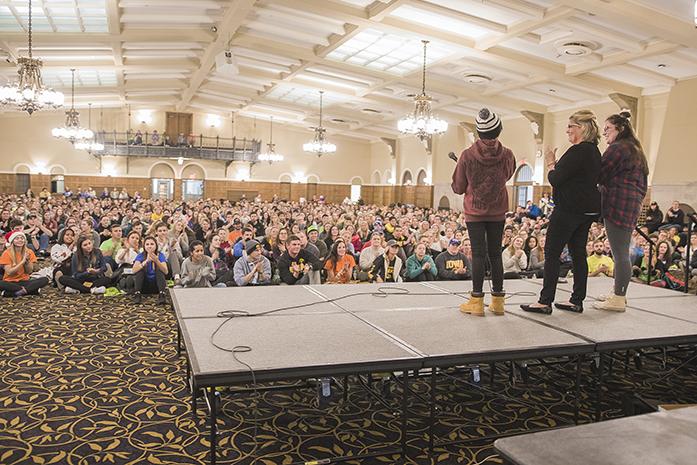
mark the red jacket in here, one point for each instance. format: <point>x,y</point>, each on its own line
<point>481,174</point>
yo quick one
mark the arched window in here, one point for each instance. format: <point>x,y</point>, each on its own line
<point>444,203</point>
<point>406,178</point>
<point>376,180</point>
<point>421,178</point>
<point>522,183</point>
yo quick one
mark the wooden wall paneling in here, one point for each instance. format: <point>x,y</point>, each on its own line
<point>298,190</point>
<point>7,183</point>
<point>408,194</point>
<point>424,196</point>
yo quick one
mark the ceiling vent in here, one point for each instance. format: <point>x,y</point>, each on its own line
<point>370,111</point>
<point>575,49</point>
<point>477,78</point>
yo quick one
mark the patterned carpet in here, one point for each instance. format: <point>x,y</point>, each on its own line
<point>87,379</point>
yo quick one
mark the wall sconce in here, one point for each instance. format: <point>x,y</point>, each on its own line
<point>428,181</point>
<point>38,168</point>
<point>392,181</point>
<point>145,116</point>
<point>180,161</point>
<point>299,177</point>
<point>108,170</point>
<point>242,175</point>
<point>213,121</point>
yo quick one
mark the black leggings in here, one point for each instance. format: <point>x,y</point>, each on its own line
<point>32,286</point>
<point>485,237</point>
<point>145,286</point>
<point>69,281</point>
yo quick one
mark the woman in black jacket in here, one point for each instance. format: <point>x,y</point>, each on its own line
<point>574,178</point>
<point>654,217</point>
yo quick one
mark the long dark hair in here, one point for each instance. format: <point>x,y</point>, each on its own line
<point>83,259</point>
<point>625,132</point>
<point>333,258</point>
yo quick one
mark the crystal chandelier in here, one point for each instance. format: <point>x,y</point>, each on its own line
<point>29,94</point>
<point>319,144</point>
<point>90,145</point>
<point>422,122</point>
<point>270,155</point>
<point>72,130</point>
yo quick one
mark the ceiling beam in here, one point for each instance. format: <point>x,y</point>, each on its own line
<point>662,25</point>
<point>552,15</point>
<point>619,58</point>
<point>114,20</point>
<point>235,15</point>
<point>378,10</point>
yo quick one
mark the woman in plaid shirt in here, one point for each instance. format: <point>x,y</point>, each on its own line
<point>623,181</point>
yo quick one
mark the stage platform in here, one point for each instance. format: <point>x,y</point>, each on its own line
<point>337,330</point>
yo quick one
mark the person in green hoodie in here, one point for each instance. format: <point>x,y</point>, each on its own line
<point>420,265</point>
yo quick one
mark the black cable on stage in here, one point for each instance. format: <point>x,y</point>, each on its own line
<point>382,292</point>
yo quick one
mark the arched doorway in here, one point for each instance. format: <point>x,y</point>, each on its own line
<point>356,183</point>
<point>444,203</point>
<point>192,182</point>
<point>57,179</point>
<point>421,178</point>
<point>162,177</point>
<point>522,186</point>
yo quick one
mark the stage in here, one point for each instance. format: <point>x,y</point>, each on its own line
<point>234,336</point>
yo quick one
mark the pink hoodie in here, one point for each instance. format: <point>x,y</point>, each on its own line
<point>481,174</point>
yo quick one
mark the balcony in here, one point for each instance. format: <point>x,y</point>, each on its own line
<point>130,144</point>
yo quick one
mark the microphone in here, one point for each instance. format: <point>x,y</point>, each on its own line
<point>452,156</point>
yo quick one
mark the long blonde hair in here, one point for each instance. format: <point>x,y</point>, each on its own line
<point>22,252</point>
<point>589,124</point>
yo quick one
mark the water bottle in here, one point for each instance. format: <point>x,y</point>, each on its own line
<point>476,376</point>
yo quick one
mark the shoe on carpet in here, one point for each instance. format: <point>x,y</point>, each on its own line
<point>137,298</point>
<point>497,304</point>
<point>569,307</point>
<point>614,303</point>
<point>109,272</point>
<point>70,290</point>
<point>98,290</point>
<point>21,292</point>
<point>474,306</point>
<point>546,310</point>
<point>161,299</point>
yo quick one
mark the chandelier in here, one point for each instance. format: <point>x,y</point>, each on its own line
<point>29,94</point>
<point>422,122</point>
<point>319,144</point>
<point>270,155</point>
<point>72,130</point>
<point>90,145</point>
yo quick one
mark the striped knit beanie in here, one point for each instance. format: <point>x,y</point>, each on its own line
<point>487,120</point>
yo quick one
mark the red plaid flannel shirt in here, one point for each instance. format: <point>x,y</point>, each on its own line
<point>622,185</point>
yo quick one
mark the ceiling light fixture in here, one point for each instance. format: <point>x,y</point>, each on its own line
<point>90,145</point>
<point>30,94</point>
<point>422,123</point>
<point>72,130</point>
<point>319,145</point>
<point>270,155</point>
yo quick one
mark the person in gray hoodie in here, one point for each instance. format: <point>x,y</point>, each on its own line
<point>481,174</point>
<point>197,270</point>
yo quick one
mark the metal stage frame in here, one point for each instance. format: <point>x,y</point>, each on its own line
<point>404,328</point>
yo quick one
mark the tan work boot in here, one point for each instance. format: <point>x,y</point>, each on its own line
<point>497,304</point>
<point>475,306</point>
<point>614,303</point>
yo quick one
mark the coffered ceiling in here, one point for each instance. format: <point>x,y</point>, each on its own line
<point>512,55</point>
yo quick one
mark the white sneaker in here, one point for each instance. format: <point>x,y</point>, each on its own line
<point>70,290</point>
<point>98,290</point>
<point>614,303</point>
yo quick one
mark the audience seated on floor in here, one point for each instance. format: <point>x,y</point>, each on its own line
<point>290,242</point>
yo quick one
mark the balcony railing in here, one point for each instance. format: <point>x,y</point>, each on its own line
<point>133,144</point>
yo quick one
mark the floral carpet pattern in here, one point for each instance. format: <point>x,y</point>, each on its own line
<point>87,379</point>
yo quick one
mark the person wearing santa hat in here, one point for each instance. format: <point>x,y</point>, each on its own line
<point>18,261</point>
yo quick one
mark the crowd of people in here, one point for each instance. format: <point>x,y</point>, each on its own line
<point>86,242</point>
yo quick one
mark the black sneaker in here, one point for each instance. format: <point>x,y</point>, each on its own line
<point>137,298</point>
<point>546,310</point>
<point>161,299</point>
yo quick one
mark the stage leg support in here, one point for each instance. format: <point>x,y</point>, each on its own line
<point>432,412</point>
<point>405,413</point>
<point>599,393</point>
<point>213,423</point>
<point>577,389</point>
